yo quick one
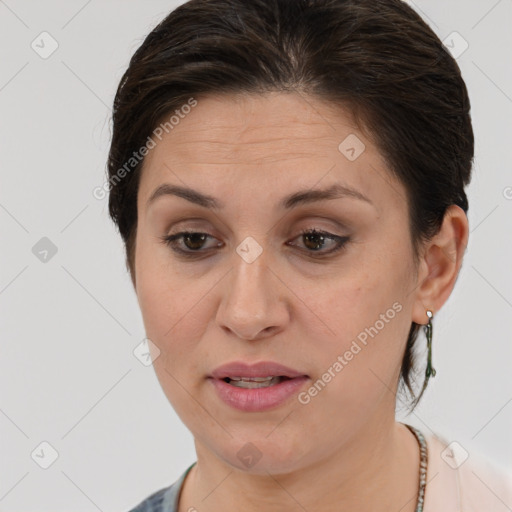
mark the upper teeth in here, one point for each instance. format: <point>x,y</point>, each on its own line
<point>252,379</point>
<point>253,382</point>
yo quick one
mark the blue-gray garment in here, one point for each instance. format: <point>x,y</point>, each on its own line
<point>164,500</point>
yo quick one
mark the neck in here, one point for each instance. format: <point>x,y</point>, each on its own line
<point>377,470</point>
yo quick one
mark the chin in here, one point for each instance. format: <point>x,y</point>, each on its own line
<point>260,455</point>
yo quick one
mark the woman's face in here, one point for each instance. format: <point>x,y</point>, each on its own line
<point>257,289</point>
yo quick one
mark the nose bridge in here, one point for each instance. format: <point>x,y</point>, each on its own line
<point>251,302</point>
<point>248,295</point>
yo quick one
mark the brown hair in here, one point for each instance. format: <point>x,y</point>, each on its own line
<point>378,57</point>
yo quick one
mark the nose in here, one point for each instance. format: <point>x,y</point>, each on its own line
<point>254,304</point>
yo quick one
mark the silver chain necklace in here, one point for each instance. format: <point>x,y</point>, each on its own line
<point>423,466</point>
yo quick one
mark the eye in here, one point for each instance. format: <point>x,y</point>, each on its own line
<point>315,240</point>
<point>194,241</point>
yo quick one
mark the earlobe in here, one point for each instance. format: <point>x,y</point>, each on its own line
<point>440,264</point>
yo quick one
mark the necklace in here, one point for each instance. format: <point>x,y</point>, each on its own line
<point>423,466</point>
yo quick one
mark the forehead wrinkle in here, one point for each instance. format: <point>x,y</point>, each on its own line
<point>185,137</point>
<point>276,146</point>
<point>253,161</point>
<point>248,133</point>
<point>252,154</point>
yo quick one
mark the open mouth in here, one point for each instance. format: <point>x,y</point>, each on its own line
<point>255,382</point>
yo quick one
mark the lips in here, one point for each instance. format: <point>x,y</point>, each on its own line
<point>257,398</point>
<point>261,369</point>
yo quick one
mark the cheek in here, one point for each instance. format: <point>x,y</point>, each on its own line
<point>174,307</point>
<point>357,370</point>
<point>160,293</point>
<point>368,310</point>
<point>369,326</point>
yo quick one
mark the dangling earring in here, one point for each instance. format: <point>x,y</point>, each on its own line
<point>428,332</point>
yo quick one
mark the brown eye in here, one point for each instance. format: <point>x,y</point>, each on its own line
<point>192,242</point>
<point>314,241</point>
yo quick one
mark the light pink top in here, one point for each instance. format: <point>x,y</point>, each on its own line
<point>462,482</point>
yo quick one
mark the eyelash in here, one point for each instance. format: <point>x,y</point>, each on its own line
<point>341,241</point>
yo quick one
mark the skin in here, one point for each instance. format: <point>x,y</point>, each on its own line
<point>343,450</point>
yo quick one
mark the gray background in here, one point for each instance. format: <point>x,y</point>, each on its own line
<point>69,325</point>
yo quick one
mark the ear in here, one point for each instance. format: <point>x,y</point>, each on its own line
<point>440,263</point>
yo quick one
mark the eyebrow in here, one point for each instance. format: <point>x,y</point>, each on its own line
<point>301,197</point>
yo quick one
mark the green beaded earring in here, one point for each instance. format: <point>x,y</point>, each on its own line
<point>430,371</point>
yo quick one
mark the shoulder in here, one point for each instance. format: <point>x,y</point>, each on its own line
<point>459,480</point>
<point>164,500</point>
<point>484,486</point>
<point>156,502</point>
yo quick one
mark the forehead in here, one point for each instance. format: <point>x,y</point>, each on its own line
<point>228,143</point>
<point>258,125</point>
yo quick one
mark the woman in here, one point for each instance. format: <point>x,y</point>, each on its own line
<point>288,179</point>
